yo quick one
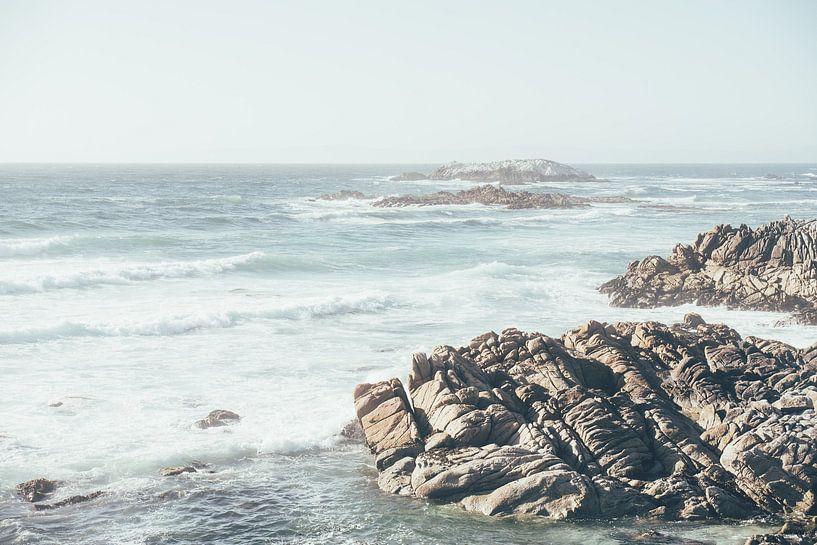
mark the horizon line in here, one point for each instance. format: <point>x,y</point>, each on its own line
<point>376,163</point>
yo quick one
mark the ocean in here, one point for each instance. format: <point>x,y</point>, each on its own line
<point>135,299</point>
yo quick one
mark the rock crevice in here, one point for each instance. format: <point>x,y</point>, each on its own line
<point>772,268</point>
<point>688,421</point>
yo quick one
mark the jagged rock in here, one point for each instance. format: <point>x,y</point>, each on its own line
<point>681,422</point>
<point>36,489</point>
<point>408,177</point>
<point>342,195</point>
<point>772,268</point>
<point>522,171</point>
<point>489,194</point>
<point>387,421</point>
<point>72,500</point>
<point>216,418</point>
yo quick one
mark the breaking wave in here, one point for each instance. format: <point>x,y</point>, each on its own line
<point>128,273</point>
<point>177,324</point>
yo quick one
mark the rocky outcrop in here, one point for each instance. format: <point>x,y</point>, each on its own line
<point>217,418</point>
<point>512,172</point>
<point>408,177</point>
<point>489,194</point>
<point>772,267</point>
<point>689,421</point>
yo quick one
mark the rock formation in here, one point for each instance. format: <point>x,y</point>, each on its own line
<point>36,489</point>
<point>217,418</point>
<point>772,267</point>
<point>689,421</point>
<point>408,177</point>
<point>489,194</point>
<point>512,172</point>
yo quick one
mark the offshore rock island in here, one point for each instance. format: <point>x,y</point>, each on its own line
<point>492,195</point>
<point>772,268</point>
<point>682,422</point>
<point>509,171</point>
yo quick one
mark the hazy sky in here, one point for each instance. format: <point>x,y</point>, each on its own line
<point>408,81</point>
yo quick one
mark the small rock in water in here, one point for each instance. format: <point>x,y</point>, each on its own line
<point>192,467</point>
<point>36,489</point>
<point>693,320</point>
<point>73,500</point>
<point>342,195</point>
<point>216,418</point>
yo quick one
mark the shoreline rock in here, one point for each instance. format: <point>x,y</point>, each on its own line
<point>610,420</point>
<point>771,268</point>
<point>512,172</point>
<point>493,195</point>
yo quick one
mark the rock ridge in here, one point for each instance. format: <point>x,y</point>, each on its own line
<point>772,267</point>
<point>682,422</point>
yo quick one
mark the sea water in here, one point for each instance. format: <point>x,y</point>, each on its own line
<point>136,299</point>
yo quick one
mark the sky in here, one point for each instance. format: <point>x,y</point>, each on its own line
<point>408,82</point>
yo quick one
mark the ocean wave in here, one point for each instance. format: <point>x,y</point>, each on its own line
<point>178,324</point>
<point>31,246</point>
<point>128,273</point>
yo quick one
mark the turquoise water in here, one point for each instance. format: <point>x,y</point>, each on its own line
<point>142,297</point>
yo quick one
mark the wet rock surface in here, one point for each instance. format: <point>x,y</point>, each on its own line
<point>72,500</point>
<point>489,194</point>
<point>36,489</point>
<point>681,422</point>
<point>192,467</point>
<point>217,418</point>
<point>772,267</point>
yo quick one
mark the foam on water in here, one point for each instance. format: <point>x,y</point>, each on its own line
<point>137,299</point>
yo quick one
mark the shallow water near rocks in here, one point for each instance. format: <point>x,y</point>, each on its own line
<point>136,299</point>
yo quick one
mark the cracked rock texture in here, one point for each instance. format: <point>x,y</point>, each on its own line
<point>772,267</point>
<point>680,422</point>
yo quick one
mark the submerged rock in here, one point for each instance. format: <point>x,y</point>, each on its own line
<point>36,489</point>
<point>677,422</point>
<point>353,432</point>
<point>216,418</point>
<point>72,500</point>
<point>408,177</point>
<point>192,467</point>
<point>342,195</point>
<point>772,267</point>
<point>512,172</point>
<point>489,194</point>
